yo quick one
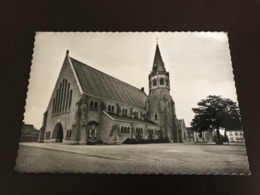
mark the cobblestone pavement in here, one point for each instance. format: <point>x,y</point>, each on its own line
<point>133,159</point>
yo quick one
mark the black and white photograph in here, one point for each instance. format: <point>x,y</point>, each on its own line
<point>132,103</point>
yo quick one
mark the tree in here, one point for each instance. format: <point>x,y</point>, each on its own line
<point>215,112</point>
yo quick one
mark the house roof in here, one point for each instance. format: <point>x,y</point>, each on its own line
<point>97,83</point>
<point>158,64</point>
<point>180,123</point>
<point>27,128</point>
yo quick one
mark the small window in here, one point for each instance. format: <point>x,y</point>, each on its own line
<point>112,109</point>
<point>155,116</point>
<point>161,81</point>
<point>96,105</point>
<point>154,82</point>
<point>47,135</point>
<point>128,130</point>
<point>91,105</point>
<point>125,111</point>
<point>109,108</point>
<point>122,129</point>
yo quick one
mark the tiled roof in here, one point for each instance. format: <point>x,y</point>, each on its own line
<point>97,83</point>
<point>27,128</point>
<point>180,123</point>
<point>132,120</point>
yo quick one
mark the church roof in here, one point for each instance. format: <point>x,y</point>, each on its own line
<point>131,120</point>
<point>158,64</point>
<point>97,83</point>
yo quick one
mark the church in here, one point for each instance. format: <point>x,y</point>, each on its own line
<point>89,106</point>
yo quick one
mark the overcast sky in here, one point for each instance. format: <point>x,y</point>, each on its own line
<point>199,65</point>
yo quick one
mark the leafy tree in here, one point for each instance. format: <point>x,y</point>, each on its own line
<point>215,112</point>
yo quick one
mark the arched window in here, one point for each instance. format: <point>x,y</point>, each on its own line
<point>57,97</point>
<point>125,130</point>
<point>53,105</point>
<point>109,108</point>
<point>67,97</point>
<point>70,97</point>
<point>112,109</point>
<point>161,81</point>
<point>95,106</point>
<point>67,134</point>
<point>122,129</point>
<point>155,116</point>
<point>60,93</point>
<point>154,82</point>
<point>64,93</point>
<point>128,129</point>
<point>125,111</point>
<point>91,105</point>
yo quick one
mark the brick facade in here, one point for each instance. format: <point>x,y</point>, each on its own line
<point>75,115</point>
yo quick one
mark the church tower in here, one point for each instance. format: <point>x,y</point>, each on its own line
<point>159,104</point>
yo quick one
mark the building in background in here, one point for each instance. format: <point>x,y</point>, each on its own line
<point>182,131</point>
<point>88,105</point>
<point>235,136</point>
<point>205,136</point>
<point>29,133</point>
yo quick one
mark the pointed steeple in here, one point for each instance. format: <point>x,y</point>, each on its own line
<point>158,64</point>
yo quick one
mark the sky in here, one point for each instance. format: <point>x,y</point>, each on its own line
<point>199,65</point>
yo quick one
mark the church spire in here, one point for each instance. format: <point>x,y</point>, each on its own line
<point>158,64</point>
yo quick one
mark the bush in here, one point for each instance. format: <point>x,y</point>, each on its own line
<point>99,142</point>
<point>130,141</point>
<point>145,141</point>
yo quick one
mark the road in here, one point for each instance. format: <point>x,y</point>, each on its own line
<point>133,159</point>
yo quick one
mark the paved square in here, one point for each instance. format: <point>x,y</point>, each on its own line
<point>133,159</point>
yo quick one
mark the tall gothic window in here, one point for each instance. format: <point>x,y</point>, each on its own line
<point>53,105</point>
<point>67,95</point>
<point>70,97</point>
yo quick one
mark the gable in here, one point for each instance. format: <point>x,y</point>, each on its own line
<point>99,84</point>
<point>66,91</point>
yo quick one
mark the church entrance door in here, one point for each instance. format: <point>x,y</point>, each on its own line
<point>58,133</point>
<point>92,132</point>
